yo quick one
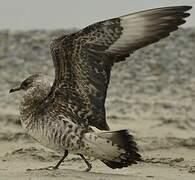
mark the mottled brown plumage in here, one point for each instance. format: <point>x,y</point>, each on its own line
<point>83,60</point>
<point>60,116</point>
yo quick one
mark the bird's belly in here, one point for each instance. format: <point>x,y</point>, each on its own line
<point>46,141</point>
<point>43,138</point>
<point>56,136</point>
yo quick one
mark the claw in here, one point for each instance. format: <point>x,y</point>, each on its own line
<point>52,167</point>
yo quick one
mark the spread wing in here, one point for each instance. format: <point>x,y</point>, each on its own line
<point>83,60</point>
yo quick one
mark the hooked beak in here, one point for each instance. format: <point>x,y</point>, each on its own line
<point>14,89</point>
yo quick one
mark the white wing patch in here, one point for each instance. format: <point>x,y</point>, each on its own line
<point>133,28</point>
<point>146,27</point>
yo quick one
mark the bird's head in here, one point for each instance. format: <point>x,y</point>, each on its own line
<point>33,82</point>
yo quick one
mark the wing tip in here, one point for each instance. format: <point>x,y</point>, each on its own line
<point>182,8</point>
<point>187,8</point>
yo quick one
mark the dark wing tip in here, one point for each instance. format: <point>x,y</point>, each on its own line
<point>179,8</point>
<point>186,8</point>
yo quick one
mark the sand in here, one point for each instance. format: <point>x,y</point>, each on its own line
<point>152,94</point>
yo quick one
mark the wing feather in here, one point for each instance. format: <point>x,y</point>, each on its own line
<point>83,60</point>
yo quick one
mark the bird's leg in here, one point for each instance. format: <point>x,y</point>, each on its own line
<point>61,160</point>
<point>89,166</point>
<point>53,167</point>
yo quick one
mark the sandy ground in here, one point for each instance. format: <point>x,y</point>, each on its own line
<point>153,95</point>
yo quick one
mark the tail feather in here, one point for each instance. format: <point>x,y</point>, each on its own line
<point>125,141</point>
<point>117,149</point>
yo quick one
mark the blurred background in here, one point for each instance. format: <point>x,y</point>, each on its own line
<point>152,93</point>
<point>44,14</point>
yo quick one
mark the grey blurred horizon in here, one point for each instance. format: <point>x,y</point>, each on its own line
<point>63,14</point>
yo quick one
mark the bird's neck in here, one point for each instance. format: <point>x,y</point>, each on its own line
<point>32,99</point>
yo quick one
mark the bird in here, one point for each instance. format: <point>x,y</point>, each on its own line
<point>62,116</point>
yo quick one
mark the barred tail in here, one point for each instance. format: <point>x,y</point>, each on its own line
<point>117,149</point>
